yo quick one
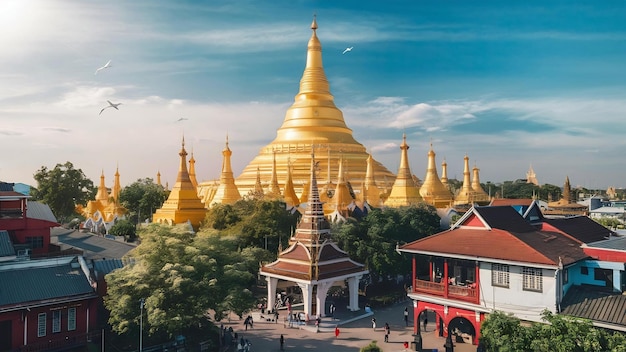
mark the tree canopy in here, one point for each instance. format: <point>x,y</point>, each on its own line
<point>142,198</point>
<point>502,332</point>
<point>62,188</point>
<point>182,278</point>
<point>373,240</point>
<point>260,223</point>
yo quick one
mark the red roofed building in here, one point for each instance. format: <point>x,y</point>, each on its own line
<point>313,261</point>
<point>491,259</point>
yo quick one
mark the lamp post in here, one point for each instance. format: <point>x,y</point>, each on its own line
<point>141,303</point>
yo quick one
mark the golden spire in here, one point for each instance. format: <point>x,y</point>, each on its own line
<point>192,170</point>
<point>159,178</point>
<point>102,194</point>
<point>466,193</point>
<point>480,196</point>
<point>371,192</point>
<point>274,187</point>
<point>291,199</point>
<point>444,173</point>
<point>115,191</point>
<point>567,190</point>
<point>258,188</point>
<point>183,203</point>
<point>227,192</point>
<point>342,197</point>
<point>404,191</point>
<point>433,190</point>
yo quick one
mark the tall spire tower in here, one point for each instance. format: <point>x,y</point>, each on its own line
<point>404,191</point>
<point>371,192</point>
<point>433,190</point>
<point>192,170</point>
<point>466,193</point>
<point>102,194</point>
<point>312,121</point>
<point>480,196</point>
<point>183,204</point>
<point>227,192</point>
<point>117,188</point>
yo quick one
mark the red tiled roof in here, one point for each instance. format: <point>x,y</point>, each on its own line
<point>298,252</point>
<point>329,251</point>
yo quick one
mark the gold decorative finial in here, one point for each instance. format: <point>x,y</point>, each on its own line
<point>314,24</point>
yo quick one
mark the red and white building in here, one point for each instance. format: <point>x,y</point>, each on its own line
<point>493,258</point>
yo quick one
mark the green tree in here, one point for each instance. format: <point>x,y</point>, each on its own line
<point>181,277</point>
<point>124,228</point>
<point>255,222</point>
<point>372,347</point>
<point>142,198</point>
<point>373,240</point>
<point>502,332</point>
<point>62,188</point>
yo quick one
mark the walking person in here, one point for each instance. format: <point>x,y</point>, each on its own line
<point>425,321</point>
<point>374,323</point>
<point>282,342</point>
<point>406,316</point>
<point>387,331</point>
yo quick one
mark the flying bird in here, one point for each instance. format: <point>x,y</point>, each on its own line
<point>107,65</point>
<point>182,119</point>
<point>347,49</point>
<point>111,105</point>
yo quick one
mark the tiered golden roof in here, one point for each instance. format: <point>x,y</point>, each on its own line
<point>226,192</point>
<point>433,191</point>
<point>405,191</point>
<point>312,122</point>
<point>183,204</point>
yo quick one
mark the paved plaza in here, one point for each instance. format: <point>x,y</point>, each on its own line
<point>355,332</point>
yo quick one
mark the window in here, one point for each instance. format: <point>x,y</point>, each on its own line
<point>532,279</point>
<point>500,275</point>
<point>71,319</point>
<point>35,242</point>
<point>584,270</point>
<point>56,321</point>
<point>565,276</point>
<point>41,325</point>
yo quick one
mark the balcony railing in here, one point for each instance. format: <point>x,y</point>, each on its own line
<point>461,292</point>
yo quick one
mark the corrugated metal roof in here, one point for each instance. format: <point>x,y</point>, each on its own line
<point>105,266</point>
<point>46,279</point>
<point>6,246</point>
<point>618,243</point>
<point>595,304</point>
<point>36,210</point>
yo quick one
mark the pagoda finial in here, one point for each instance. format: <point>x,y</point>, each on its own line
<point>314,23</point>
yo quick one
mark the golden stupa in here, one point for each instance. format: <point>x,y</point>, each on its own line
<point>466,194</point>
<point>312,122</point>
<point>405,190</point>
<point>480,196</point>
<point>105,206</point>
<point>433,190</point>
<point>183,204</point>
<point>226,192</point>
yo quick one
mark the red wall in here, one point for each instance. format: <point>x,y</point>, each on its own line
<point>20,317</point>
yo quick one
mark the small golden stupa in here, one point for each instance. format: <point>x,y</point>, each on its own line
<point>312,122</point>
<point>226,192</point>
<point>405,190</point>
<point>480,196</point>
<point>105,206</point>
<point>433,191</point>
<point>183,204</point>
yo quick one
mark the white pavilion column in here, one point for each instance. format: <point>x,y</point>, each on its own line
<point>320,297</point>
<point>307,293</point>
<point>272,283</point>
<point>353,287</point>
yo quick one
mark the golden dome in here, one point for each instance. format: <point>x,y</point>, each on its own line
<point>312,122</point>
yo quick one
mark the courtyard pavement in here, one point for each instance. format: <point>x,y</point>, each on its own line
<point>355,332</point>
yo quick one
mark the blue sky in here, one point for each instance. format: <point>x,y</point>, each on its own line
<point>509,83</point>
